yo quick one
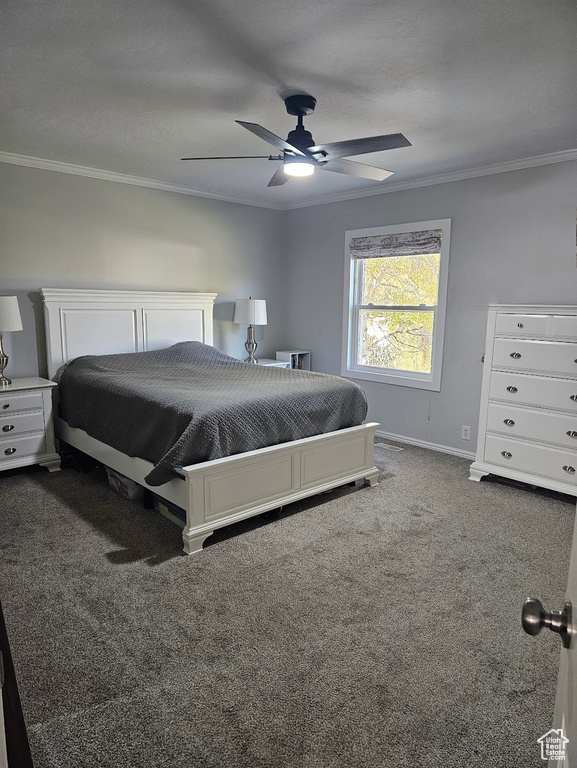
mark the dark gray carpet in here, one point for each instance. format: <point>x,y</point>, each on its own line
<point>369,628</point>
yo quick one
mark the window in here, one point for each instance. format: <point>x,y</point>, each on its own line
<point>395,297</point>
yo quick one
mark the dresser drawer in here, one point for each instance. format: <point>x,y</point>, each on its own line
<point>18,423</point>
<point>534,459</point>
<point>22,446</point>
<point>524,354</point>
<point>534,390</point>
<point>542,426</point>
<point>521,325</point>
<point>27,401</point>
<point>564,326</point>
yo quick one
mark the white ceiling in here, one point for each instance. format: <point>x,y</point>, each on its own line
<point>131,86</point>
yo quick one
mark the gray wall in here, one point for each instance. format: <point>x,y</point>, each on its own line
<point>64,231</point>
<point>512,241</point>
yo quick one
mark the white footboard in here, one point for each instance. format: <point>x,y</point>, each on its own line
<point>224,491</point>
<point>227,490</point>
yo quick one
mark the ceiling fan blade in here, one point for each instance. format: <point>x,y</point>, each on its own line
<point>362,146</point>
<point>279,177</point>
<point>356,169</point>
<point>276,141</point>
<point>237,157</point>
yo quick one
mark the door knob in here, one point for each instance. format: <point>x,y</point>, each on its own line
<point>534,617</point>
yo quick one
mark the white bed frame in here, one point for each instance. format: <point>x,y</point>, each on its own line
<point>214,493</point>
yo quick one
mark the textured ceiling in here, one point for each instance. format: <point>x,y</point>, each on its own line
<point>131,86</point>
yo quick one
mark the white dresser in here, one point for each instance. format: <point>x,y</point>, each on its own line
<point>528,418</point>
<point>26,428</point>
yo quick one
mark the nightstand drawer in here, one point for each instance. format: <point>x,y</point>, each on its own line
<point>521,325</point>
<point>537,459</point>
<point>27,401</point>
<point>22,446</point>
<point>543,426</point>
<point>541,391</point>
<point>527,355</point>
<point>18,423</point>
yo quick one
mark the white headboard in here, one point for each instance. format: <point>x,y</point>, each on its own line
<point>87,322</point>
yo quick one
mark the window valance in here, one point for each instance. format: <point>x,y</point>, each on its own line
<point>396,244</point>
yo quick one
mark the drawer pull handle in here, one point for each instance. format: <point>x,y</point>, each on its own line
<point>10,427</point>
<point>511,423</point>
<point>570,470</point>
<point>6,405</point>
<point>520,325</point>
<point>574,398</point>
<point>571,433</point>
<point>515,355</point>
<point>10,451</point>
<point>509,455</point>
<point>514,389</point>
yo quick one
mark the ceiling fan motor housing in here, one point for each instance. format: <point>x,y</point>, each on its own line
<point>300,138</point>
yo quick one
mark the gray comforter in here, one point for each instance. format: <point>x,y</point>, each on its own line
<point>191,403</point>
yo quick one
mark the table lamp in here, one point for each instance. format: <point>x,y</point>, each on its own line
<point>253,312</point>
<point>10,320</point>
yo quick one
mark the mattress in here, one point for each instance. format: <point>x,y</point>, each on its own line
<point>190,403</point>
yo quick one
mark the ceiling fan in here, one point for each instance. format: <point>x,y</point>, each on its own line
<point>301,156</point>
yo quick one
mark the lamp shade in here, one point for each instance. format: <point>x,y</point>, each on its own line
<point>250,312</point>
<point>10,319</point>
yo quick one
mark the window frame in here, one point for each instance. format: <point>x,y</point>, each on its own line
<point>352,306</point>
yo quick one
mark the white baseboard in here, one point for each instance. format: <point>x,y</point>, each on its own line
<point>424,444</point>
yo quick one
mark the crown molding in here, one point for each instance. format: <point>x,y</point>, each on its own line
<point>139,181</point>
<point>442,178</point>
<point>122,178</point>
<point>123,296</point>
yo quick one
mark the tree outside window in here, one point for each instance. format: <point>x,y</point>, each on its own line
<point>396,308</point>
<point>398,338</point>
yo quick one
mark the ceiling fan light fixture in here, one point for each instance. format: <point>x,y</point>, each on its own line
<point>298,166</point>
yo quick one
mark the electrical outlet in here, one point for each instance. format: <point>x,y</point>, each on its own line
<point>465,432</point>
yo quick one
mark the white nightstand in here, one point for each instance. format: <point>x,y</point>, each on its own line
<point>274,363</point>
<point>26,427</point>
<point>296,358</point>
